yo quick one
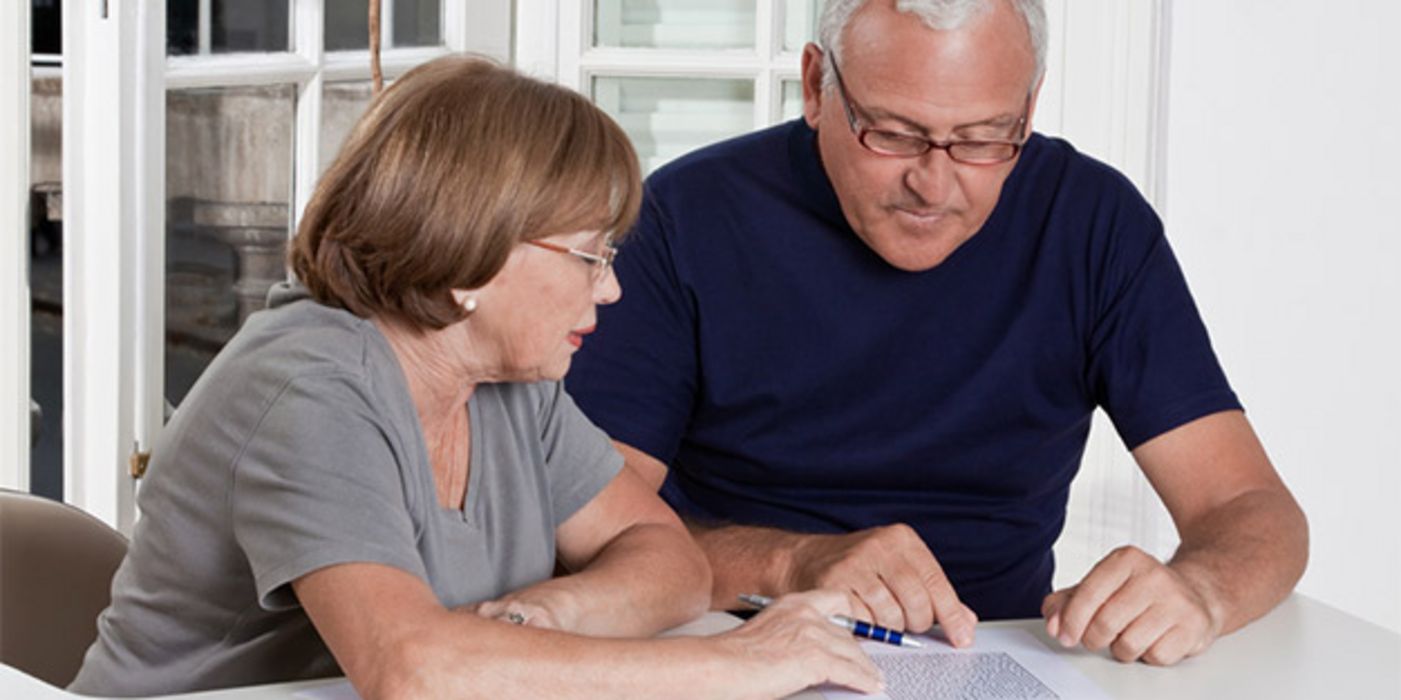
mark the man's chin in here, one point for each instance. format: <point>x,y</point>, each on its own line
<point>915,250</point>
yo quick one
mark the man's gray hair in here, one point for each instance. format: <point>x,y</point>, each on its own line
<point>936,14</point>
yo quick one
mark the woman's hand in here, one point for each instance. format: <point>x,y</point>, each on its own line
<point>792,645</point>
<point>548,605</point>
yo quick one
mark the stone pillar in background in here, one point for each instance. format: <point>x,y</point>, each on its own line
<point>257,231</point>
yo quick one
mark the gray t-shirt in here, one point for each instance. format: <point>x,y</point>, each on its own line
<point>300,448</point>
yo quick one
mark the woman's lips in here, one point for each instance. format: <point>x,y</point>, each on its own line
<point>576,337</point>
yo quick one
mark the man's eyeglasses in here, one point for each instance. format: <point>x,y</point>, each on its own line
<point>601,263</point>
<point>903,145</point>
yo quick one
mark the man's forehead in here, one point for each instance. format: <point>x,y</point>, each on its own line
<point>898,67</point>
<point>992,47</point>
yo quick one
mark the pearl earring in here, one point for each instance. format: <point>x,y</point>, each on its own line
<point>469,304</point>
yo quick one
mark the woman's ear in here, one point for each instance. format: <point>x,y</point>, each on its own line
<point>466,299</point>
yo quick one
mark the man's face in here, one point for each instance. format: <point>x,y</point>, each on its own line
<point>970,83</point>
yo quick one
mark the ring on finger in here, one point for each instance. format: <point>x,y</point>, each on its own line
<point>515,618</point>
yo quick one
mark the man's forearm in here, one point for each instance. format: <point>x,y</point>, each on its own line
<point>745,559</point>
<point>1246,556</point>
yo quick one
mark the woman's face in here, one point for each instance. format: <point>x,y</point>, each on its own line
<point>540,308</point>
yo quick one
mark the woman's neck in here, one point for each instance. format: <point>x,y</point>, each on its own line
<point>440,372</point>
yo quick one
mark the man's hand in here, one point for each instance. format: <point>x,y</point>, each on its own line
<point>889,575</point>
<point>1136,606</point>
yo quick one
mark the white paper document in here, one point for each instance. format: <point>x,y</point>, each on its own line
<point>1006,664</point>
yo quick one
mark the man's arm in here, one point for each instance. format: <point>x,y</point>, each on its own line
<point>1244,546</point>
<point>888,574</point>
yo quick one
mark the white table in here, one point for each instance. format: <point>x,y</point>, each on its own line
<point>1303,649</point>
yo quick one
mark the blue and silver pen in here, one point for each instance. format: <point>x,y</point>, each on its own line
<point>860,628</point>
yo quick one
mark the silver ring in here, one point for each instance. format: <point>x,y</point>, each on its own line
<point>515,618</point>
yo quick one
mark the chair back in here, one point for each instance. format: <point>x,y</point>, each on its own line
<point>56,567</point>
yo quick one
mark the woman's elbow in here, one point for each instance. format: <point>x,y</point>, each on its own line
<point>404,671</point>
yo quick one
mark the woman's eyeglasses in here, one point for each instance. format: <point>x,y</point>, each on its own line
<point>601,262</point>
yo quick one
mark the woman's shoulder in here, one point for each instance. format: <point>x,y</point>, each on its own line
<point>308,338</point>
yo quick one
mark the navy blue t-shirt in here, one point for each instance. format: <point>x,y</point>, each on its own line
<point>792,378</point>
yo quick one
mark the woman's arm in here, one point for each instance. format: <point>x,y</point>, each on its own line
<point>636,569</point>
<point>394,640</point>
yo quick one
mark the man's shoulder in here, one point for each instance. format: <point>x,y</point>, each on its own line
<point>1053,157</point>
<point>759,154</point>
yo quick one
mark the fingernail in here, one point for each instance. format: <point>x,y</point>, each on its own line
<point>1065,640</point>
<point>1053,625</point>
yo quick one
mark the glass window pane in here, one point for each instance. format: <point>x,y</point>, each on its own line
<point>249,25</point>
<point>347,26</point>
<point>181,27</point>
<point>342,104</point>
<point>45,27</point>
<point>675,24</point>
<point>228,26</point>
<point>792,105</point>
<point>228,181</point>
<point>666,117</point>
<point>800,23</point>
<point>417,22</point>
<point>46,287</point>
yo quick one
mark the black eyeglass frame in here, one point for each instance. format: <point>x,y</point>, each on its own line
<point>964,151</point>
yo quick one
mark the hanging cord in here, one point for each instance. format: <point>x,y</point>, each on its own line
<point>376,75</point>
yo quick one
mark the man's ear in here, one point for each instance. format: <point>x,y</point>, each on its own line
<point>813,64</point>
<point>1031,108</point>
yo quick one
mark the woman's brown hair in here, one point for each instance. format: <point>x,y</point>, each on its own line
<point>450,168</point>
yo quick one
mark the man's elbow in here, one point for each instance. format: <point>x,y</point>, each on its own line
<point>695,576</point>
<point>1299,545</point>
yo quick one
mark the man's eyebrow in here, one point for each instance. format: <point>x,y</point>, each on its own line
<point>1005,120</point>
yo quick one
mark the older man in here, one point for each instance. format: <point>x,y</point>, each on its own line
<point>861,351</point>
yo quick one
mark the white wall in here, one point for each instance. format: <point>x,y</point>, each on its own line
<point>1282,188</point>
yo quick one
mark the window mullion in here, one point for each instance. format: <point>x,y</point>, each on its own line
<point>14,283</point>
<point>148,401</point>
<point>537,50</point>
<point>186,72</point>
<point>355,65</point>
<point>100,173</point>
<point>309,43</point>
<point>205,24</point>
<point>576,28</point>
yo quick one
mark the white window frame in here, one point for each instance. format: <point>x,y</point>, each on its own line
<point>562,51</point>
<point>116,76</point>
<point>14,258</point>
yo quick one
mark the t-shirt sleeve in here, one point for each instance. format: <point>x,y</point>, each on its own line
<point>318,484</point>
<point>579,458</point>
<point>636,376</point>
<point>1152,366</point>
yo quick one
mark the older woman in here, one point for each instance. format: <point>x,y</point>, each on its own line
<point>379,474</point>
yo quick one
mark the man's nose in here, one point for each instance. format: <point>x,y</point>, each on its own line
<point>931,177</point>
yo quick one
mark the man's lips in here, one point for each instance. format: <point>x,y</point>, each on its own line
<point>922,214</point>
